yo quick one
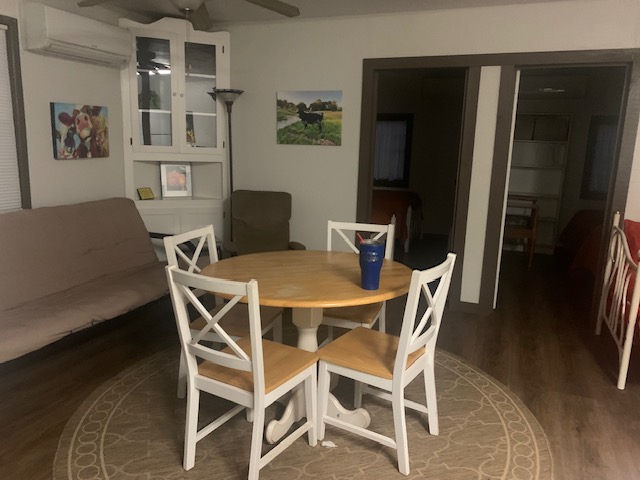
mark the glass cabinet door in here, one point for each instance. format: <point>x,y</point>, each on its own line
<point>200,78</point>
<point>153,75</point>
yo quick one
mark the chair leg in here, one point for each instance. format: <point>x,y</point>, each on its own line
<point>400,426</point>
<point>191,428</point>
<point>532,245</point>
<point>276,330</point>
<point>311,401</point>
<point>382,321</point>
<point>256,442</point>
<point>323,397</point>
<point>432,401</point>
<point>182,377</point>
<point>329,334</point>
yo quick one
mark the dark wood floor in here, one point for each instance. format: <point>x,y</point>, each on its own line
<point>539,342</point>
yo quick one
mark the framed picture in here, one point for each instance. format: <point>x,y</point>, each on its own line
<point>79,131</point>
<point>175,180</point>
<point>309,117</point>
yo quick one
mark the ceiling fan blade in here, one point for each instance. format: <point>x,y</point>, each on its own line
<point>91,3</point>
<point>278,7</point>
<point>200,18</point>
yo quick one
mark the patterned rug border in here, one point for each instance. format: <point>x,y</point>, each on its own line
<point>143,369</point>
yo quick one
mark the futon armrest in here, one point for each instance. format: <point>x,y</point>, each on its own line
<point>229,249</point>
<point>185,247</point>
<point>296,246</point>
<point>159,235</point>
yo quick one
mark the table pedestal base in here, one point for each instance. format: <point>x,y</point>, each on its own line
<point>295,410</point>
<point>307,321</point>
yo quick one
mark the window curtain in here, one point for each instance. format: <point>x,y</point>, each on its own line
<point>391,139</point>
<point>604,148</point>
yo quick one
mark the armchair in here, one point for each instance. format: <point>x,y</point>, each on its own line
<point>260,223</point>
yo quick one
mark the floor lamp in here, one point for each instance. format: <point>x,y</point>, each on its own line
<point>228,96</point>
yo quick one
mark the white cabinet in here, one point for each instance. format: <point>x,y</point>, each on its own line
<point>538,168</point>
<point>170,119</point>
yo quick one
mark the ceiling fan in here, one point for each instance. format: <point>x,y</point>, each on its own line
<point>196,11</point>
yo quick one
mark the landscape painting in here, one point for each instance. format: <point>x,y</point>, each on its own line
<point>309,118</point>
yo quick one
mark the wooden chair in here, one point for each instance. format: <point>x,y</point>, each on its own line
<point>620,298</point>
<point>250,372</point>
<point>361,315</point>
<point>383,365</point>
<point>191,251</point>
<point>521,222</point>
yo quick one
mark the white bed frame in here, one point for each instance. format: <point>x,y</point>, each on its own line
<point>619,306</point>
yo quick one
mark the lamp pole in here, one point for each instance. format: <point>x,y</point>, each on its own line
<point>228,96</point>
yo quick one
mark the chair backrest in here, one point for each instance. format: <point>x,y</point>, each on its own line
<point>192,250</point>
<point>366,230</point>
<point>420,328</point>
<point>260,220</point>
<point>182,286</point>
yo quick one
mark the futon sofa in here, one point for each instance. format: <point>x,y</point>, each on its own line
<point>66,268</point>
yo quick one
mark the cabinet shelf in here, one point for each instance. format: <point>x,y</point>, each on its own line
<point>534,195</point>
<point>203,114</point>
<point>557,142</point>
<point>200,75</point>
<point>153,110</point>
<point>538,167</point>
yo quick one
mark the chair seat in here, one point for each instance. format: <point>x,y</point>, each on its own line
<point>366,314</point>
<point>281,363</point>
<point>236,322</point>
<point>367,351</point>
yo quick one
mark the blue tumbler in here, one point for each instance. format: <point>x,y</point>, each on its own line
<point>371,257</point>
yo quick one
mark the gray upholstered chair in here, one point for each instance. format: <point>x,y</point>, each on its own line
<point>260,223</point>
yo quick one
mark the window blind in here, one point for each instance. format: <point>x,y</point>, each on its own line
<point>10,198</point>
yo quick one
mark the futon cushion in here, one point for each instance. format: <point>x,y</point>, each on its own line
<point>42,321</point>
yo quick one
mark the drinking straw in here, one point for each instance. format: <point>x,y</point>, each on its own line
<point>360,237</point>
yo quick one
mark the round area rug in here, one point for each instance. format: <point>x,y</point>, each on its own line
<point>132,428</point>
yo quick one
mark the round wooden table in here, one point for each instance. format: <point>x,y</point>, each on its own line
<point>307,281</point>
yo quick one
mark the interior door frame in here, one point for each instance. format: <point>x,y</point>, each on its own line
<point>510,63</point>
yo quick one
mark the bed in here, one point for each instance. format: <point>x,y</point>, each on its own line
<point>618,308</point>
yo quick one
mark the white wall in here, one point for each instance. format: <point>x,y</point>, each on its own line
<point>327,54</point>
<point>49,79</point>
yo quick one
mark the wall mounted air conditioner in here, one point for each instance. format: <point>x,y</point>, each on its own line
<point>55,32</point>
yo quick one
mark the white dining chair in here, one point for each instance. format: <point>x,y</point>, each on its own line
<point>361,315</point>
<point>191,251</point>
<point>383,365</point>
<point>250,372</point>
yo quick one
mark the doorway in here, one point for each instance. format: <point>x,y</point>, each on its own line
<point>563,157</point>
<point>419,114</point>
<point>480,279</point>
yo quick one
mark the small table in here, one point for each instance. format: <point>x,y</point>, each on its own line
<point>307,281</point>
